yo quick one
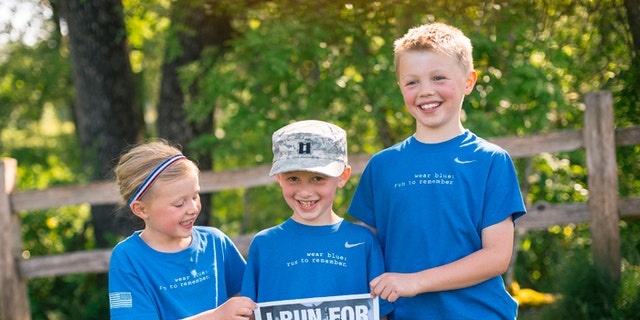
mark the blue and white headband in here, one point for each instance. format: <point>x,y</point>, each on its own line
<point>153,176</point>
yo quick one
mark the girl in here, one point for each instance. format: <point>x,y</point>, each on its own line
<point>171,269</point>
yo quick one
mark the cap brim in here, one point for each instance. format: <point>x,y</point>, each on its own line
<point>332,169</point>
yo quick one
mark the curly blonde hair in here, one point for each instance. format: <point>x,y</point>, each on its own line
<point>436,37</point>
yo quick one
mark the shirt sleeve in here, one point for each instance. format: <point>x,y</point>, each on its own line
<point>249,282</point>
<point>361,206</point>
<point>128,298</point>
<point>503,196</point>
<point>235,266</point>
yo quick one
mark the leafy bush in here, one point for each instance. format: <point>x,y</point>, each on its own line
<point>589,293</point>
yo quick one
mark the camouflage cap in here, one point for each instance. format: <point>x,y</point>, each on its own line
<point>310,145</point>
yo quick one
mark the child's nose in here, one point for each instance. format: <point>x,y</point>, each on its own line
<point>426,89</point>
<point>194,206</point>
<point>305,189</point>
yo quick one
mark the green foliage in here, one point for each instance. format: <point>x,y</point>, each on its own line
<point>315,71</point>
<point>541,253</point>
<point>59,231</point>
<point>60,298</point>
<point>587,293</point>
<point>628,296</point>
<point>558,178</point>
<point>558,260</point>
<point>34,77</point>
<point>628,170</point>
<point>47,151</point>
<point>147,23</point>
<point>47,155</point>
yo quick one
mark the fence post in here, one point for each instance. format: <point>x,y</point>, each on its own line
<point>14,300</point>
<point>602,180</point>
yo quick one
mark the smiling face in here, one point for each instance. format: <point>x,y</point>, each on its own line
<point>310,195</point>
<point>169,211</point>
<point>433,86</point>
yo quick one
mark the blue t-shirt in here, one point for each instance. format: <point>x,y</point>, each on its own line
<point>297,261</point>
<point>148,284</point>
<point>429,204</point>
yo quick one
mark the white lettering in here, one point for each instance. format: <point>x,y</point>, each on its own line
<point>314,314</point>
<point>362,313</point>
<point>286,315</point>
<point>349,313</point>
<point>334,313</point>
<point>308,314</point>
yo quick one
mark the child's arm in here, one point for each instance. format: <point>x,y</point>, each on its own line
<point>492,260</point>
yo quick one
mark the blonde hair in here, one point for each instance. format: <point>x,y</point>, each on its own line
<point>139,162</point>
<point>439,38</point>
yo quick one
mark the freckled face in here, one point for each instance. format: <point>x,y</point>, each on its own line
<point>310,195</point>
<point>433,87</point>
<point>170,212</point>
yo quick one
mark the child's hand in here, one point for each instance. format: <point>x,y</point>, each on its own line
<point>391,286</point>
<point>236,308</point>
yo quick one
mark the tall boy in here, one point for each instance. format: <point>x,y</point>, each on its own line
<point>443,202</point>
<point>315,253</point>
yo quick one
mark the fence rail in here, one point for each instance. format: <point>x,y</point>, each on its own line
<point>16,271</point>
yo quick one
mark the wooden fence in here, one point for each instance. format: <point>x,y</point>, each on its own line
<point>598,138</point>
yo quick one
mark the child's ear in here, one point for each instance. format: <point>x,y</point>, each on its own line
<point>471,81</point>
<point>344,177</point>
<point>138,209</point>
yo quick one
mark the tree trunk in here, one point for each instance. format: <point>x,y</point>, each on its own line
<point>198,28</point>
<point>107,117</point>
<point>633,80</point>
<point>633,18</point>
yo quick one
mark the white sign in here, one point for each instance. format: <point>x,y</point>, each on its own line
<point>349,307</point>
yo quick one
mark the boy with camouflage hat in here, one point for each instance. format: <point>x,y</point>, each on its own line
<point>314,253</point>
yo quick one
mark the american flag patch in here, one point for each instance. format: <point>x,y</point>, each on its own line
<point>120,300</point>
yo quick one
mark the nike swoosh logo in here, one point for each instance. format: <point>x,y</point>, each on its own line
<point>351,245</point>
<point>463,161</point>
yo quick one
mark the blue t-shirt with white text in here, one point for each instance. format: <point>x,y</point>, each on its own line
<point>148,284</point>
